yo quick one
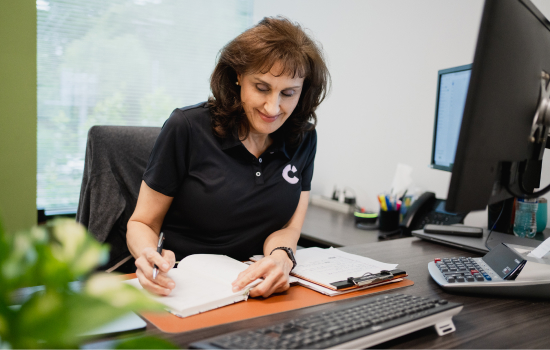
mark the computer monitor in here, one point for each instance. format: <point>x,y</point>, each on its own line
<point>452,87</point>
<point>506,116</point>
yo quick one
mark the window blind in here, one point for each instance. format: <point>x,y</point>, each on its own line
<point>118,62</point>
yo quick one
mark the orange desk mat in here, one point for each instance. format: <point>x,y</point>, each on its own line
<point>296,297</point>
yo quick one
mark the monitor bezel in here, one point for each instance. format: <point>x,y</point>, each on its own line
<point>440,73</point>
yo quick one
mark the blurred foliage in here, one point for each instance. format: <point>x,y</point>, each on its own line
<point>146,343</point>
<point>53,256</point>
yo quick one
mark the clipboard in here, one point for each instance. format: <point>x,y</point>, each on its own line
<point>369,279</point>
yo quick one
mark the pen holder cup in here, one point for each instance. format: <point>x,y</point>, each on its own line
<point>388,220</point>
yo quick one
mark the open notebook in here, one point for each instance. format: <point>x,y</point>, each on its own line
<point>203,283</point>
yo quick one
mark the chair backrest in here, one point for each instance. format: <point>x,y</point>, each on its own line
<point>116,157</point>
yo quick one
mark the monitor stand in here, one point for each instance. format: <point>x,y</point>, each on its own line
<point>504,223</point>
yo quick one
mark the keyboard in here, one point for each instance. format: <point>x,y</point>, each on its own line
<point>359,324</point>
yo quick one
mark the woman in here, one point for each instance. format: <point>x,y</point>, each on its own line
<point>232,175</point>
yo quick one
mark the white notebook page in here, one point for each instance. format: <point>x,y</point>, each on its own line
<point>203,282</point>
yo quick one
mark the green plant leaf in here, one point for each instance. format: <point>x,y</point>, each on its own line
<point>53,256</point>
<point>112,289</point>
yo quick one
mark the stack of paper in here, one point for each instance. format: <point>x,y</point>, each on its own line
<point>317,268</point>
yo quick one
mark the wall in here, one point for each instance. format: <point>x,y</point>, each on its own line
<point>383,57</point>
<point>18,113</point>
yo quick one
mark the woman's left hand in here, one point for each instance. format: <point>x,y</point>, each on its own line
<point>274,269</point>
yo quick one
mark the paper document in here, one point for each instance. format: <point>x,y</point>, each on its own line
<point>541,250</point>
<point>203,282</point>
<point>535,269</point>
<point>401,180</point>
<point>325,266</point>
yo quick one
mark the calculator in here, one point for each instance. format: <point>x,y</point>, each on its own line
<point>494,274</point>
<point>463,270</point>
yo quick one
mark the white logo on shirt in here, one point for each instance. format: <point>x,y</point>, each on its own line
<point>286,170</point>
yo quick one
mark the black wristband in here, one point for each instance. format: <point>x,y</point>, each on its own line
<point>289,253</point>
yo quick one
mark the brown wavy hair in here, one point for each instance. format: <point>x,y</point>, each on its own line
<point>272,40</point>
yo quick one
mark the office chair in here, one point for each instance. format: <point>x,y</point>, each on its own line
<point>116,157</point>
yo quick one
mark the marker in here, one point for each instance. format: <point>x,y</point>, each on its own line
<point>388,203</point>
<point>382,201</point>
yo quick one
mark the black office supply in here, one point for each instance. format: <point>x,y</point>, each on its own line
<point>370,278</point>
<point>159,250</point>
<point>388,221</point>
<point>358,324</point>
<point>428,209</point>
<point>454,230</point>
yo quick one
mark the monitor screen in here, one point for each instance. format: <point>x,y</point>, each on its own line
<point>452,87</point>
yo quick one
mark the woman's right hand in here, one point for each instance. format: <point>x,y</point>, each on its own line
<point>162,284</point>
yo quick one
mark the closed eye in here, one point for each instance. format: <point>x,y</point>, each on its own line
<point>288,93</point>
<point>262,87</point>
<point>265,88</point>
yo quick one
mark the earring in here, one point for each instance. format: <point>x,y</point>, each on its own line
<point>237,82</point>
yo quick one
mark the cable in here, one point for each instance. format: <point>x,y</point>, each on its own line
<point>525,194</point>
<point>535,194</point>
<point>528,195</point>
<point>494,225</point>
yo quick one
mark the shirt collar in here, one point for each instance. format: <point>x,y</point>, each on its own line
<point>230,141</point>
<point>279,143</point>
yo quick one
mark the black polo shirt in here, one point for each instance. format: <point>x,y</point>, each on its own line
<point>226,201</point>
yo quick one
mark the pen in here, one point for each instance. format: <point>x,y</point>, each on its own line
<point>159,250</point>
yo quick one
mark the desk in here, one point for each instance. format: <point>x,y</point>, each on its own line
<point>331,228</point>
<point>325,228</point>
<point>483,323</point>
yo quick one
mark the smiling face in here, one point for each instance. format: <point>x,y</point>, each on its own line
<point>268,99</point>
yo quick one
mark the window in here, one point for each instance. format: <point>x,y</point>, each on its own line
<point>119,62</point>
